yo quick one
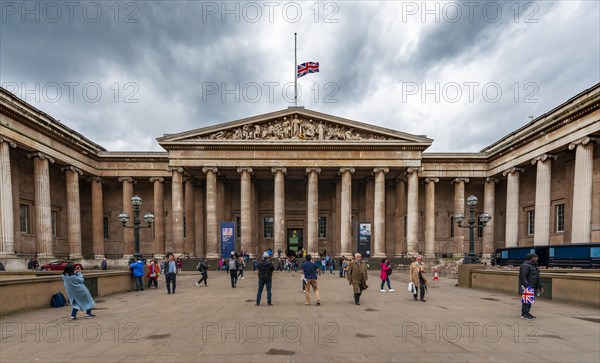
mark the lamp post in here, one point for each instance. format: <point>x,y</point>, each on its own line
<point>136,201</point>
<point>483,219</point>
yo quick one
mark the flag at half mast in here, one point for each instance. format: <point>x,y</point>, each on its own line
<point>306,68</point>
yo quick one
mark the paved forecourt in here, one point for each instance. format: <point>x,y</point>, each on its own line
<point>221,324</point>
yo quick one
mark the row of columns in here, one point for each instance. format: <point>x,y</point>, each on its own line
<point>582,196</point>
<point>186,200</point>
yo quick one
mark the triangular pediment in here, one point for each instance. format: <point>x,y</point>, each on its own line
<point>293,125</point>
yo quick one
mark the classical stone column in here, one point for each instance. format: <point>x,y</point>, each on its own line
<point>541,235</point>
<point>279,209</point>
<point>7,233</point>
<point>313,210</point>
<point>177,210</point>
<point>346,211</point>
<point>97,218</point>
<point>212,236</point>
<point>128,239</point>
<point>336,225</point>
<point>489,195</point>
<point>412,216</point>
<point>399,213</point>
<point>459,207</point>
<point>512,206</point>
<point>430,217</point>
<point>43,217</point>
<point>199,214</point>
<point>73,212</point>
<point>159,216</point>
<point>245,207</point>
<point>379,212</point>
<point>190,218</point>
<point>581,228</point>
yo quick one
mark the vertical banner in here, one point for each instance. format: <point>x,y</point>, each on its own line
<point>227,238</point>
<point>364,239</point>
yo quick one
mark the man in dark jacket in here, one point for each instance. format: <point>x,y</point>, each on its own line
<point>265,277</point>
<point>529,276</point>
<point>203,269</point>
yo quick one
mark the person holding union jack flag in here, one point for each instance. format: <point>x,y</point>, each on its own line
<point>531,282</point>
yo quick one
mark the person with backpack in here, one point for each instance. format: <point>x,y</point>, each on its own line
<point>265,278</point>
<point>203,269</point>
<point>309,270</point>
<point>386,271</point>
<point>233,266</point>
<point>79,295</point>
<point>138,271</point>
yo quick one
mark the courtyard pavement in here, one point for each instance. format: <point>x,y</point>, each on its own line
<point>221,324</point>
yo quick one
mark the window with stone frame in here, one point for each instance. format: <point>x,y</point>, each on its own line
<point>25,218</point>
<point>238,226</point>
<point>54,222</point>
<point>560,217</point>
<point>105,222</point>
<point>451,226</point>
<point>267,227</point>
<point>322,227</point>
<point>530,222</point>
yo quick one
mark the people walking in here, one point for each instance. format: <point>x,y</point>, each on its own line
<point>265,278</point>
<point>203,269</point>
<point>309,269</point>
<point>78,294</point>
<point>170,271</point>
<point>530,279</point>
<point>357,276</point>
<point>417,276</point>
<point>242,263</point>
<point>233,265</point>
<point>386,271</point>
<point>138,272</point>
<point>104,264</point>
<point>341,263</point>
<point>153,271</point>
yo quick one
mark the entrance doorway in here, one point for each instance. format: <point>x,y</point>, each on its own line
<point>295,241</point>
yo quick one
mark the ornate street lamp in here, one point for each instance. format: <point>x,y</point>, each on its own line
<point>136,201</point>
<point>471,258</point>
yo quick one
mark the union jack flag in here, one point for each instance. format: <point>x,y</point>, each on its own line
<point>528,295</point>
<point>306,68</point>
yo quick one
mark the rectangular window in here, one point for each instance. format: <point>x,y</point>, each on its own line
<point>105,226</point>
<point>405,224</point>
<point>479,232</point>
<point>238,226</point>
<point>322,227</point>
<point>184,227</point>
<point>268,227</point>
<point>24,218</point>
<point>54,221</point>
<point>560,218</point>
<point>451,226</point>
<point>530,222</point>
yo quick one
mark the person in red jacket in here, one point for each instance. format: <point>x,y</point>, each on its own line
<point>153,271</point>
<point>386,271</point>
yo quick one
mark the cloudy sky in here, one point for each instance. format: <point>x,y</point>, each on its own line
<point>462,73</point>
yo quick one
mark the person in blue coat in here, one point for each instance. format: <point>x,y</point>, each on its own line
<point>79,295</point>
<point>138,271</point>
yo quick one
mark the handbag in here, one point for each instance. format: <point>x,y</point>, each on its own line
<point>411,288</point>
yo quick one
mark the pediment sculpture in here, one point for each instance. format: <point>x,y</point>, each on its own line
<point>293,129</point>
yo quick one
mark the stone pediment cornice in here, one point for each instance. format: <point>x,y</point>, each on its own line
<point>294,126</point>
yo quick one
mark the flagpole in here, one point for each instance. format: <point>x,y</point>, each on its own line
<point>295,72</point>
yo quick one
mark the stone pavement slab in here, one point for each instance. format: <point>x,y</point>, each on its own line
<point>221,324</point>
